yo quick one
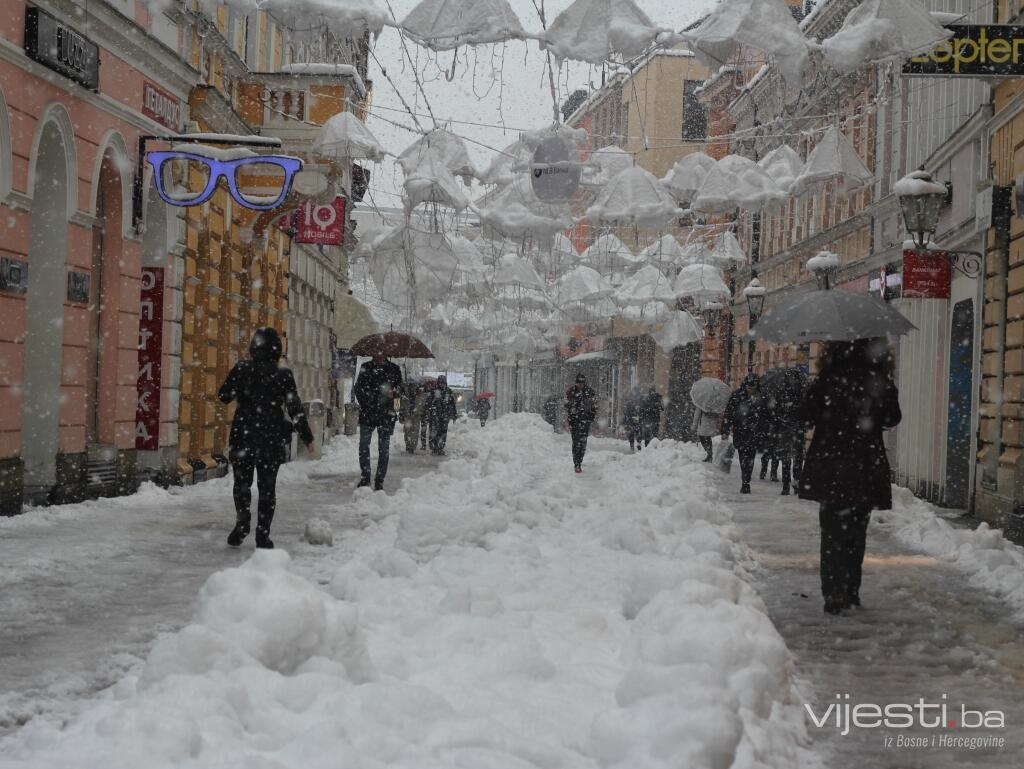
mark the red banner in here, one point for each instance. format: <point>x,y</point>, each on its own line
<point>163,107</point>
<point>926,276</point>
<point>321,224</point>
<point>151,325</point>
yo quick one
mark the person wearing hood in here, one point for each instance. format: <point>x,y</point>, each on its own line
<point>850,404</point>
<point>580,410</point>
<point>743,418</point>
<point>631,419</point>
<point>260,435</point>
<point>483,410</point>
<point>441,409</point>
<point>376,387</point>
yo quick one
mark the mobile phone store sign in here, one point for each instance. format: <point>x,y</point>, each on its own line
<point>973,50</point>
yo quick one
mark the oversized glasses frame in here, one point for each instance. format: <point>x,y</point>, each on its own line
<point>222,169</point>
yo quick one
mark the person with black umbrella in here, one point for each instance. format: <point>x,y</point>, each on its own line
<point>375,389</point>
<point>259,432</point>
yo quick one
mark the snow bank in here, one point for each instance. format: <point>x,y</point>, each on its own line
<point>991,561</point>
<point>499,611</point>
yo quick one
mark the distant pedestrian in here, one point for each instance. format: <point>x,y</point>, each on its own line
<point>783,392</point>
<point>853,400</point>
<point>550,411</point>
<point>259,432</point>
<point>441,409</point>
<point>581,410</point>
<point>413,405</point>
<point>706,425</point>
<point>743,419</point>
<point>483,410</point>
<point>428,388</point>
<point>631,419</point>
<point>376,387</point>
<point>650,415</point>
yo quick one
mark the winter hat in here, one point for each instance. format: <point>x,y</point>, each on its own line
<point>265,345</point>
<point>580,379</point>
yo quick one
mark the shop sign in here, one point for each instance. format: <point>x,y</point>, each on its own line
<point>973,50</point>
<point>161,106</point>
<point>926,276</point>
<point>555,171</point>
<point>321,224</point>
<point>78,287</point>
<point>151,317</point>
<point>13,275</point>
<point>57,46</point>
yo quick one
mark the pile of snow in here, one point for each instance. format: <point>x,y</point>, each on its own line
<point>318,532</point>
<point>916,184</point>
<point>990,561</point>
<point>499,611</point>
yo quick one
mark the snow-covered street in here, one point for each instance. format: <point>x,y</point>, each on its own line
<point>493,611</point>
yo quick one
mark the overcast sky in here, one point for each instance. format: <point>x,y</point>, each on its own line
<point>494,85</point>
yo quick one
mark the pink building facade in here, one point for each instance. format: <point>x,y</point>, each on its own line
<point>76,92</point>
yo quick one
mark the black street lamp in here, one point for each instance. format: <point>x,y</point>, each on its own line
<point>825,266</point>
<point>754,293</point>
<point>922,200</point>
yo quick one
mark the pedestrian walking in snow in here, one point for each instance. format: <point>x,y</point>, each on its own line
<point>743,419</point>
<point>650,415</point>
<point>378,383</point>
<point>483,410</point>
<point>550,411</point>
<point>260,435</point>
<point>783,392</point>
<point>428,387</point>
<point>631,419</point>
<point>853,400</point>
<point>581,410</point>
<point>441,409</point>
<point>706,425</point>
<point>413,405</point>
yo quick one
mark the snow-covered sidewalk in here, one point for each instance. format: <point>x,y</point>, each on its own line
<point>500,611</point>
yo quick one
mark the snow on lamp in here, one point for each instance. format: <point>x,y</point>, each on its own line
<point>825,266</point>
<point>921,200</point>
<point>754,293</point>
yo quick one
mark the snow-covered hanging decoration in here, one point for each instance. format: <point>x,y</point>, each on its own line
<point>783,165</point>
<point>445,24</point>
<point>595,31</point>
<point>346,137</point>
<point>833,160</point>
<point>679,330</point>
<point>408,260</point>
<point>605,164</point>
<point>634,197</point>
<point>608,253</point>
<point>514,271</point>
<point>664,253</point>
<point>700,282</point>
<point>582,284</point>
<point>765,25</point>
<point>507,164</point>
<point>736,182</point>
<point>685,177</point>
<point>445,145</point>
<point>727,252</point>
<point>347,19</point>
<point>647,285</point>
<point>515,212</point>
<point>883,30</point>
<point>471,275</point>
<point>430,182</point>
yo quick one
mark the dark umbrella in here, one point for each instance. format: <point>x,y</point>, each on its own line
<point>830,316</point>
<point>783,387</point>
<point>392,344</point>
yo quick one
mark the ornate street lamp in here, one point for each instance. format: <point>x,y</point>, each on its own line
<point>754,293</point>
<point>711,313</point>
<point>922,200</point>
<point>825,266</point>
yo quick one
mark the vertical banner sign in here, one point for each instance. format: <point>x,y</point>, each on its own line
<point>151,317</point>
<point>321,225</point>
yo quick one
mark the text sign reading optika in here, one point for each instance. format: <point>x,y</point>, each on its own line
<point>974,50</point>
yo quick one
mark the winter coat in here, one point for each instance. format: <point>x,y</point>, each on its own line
<point>375,390</point>
<point>783,391</point>
<point>550,410</point>
<point>744,418</point>
<point>846,465</point>
<point>651,408</point>
<point>441,408</point>
<point>483,408</point>
<point>631,414</point>
<point>580,407</point>
<point>705,424</point>
<point>263,391</point>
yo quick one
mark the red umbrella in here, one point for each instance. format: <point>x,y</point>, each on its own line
<point>392,344</point>
<point>484,396</point>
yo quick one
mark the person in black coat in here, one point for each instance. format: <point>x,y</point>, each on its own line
<point>550,411</point>
<point>580,410</point>
<point>483,410</point>
<point>650,415</point>
<point>744,420</point>
<point>260,435</point>
<point>376,387</point>
<point>631,419</point>
<point>441,409</point>
<point>783,392</point>
<point>853,400</point>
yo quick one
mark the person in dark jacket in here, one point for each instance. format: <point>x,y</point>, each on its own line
<point>631,419</point>
<point>483,410</point>
<point>580,410</point>
<point>846,470</point>
<point>550,411</point>
<point>413,406</point>
<point>376,387</point>
<point>260,435</point>
<point>650,415</point>
<point>743,419</point>
<point>441,409</point>
<point>783,392</point>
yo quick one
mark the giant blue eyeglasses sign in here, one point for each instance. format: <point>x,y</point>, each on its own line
<point>257,182</point>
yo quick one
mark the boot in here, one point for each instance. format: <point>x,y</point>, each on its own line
<point>378,484</point>
<point>708,458</point>
<point>364,481</point>
<point>764,472</point>
<point>263,540</point>
<point>775,477</point>
<point>744,489</point>
<point>785,489</point>
<point>239,533</point>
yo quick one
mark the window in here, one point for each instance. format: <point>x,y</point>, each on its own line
<point>695,118</point>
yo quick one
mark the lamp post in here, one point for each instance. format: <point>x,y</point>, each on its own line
<point>754,293</point>
<point>711,313</point>
<point>825,266</point>
<point>922,200</point>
